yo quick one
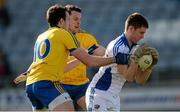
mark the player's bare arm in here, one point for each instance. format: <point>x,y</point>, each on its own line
<point>21,78</point>
<point>91,61</point>
<point>142,76</point>
<point>100,51</point>
<point>96,50</point>
<point>128,71</point>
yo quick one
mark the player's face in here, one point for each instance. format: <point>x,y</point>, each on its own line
<point>75,22</point>
<point>138,34</point>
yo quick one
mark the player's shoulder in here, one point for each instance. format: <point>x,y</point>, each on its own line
<point>121,40</point>
<point>84,34</point>
<point>58,30</point>
<point>64,32</point>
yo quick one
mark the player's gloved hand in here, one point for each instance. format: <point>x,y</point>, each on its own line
<point>122,58</point>
<point>139,51</point>
<point>155,56</point>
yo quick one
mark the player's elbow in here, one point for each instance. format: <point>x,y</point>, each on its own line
<point>89,63</point>
<point>141,82</point>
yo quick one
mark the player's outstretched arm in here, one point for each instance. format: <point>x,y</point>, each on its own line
<point>93,50</point>
<point>20,78</point>
<point>89,60</point>
<point>99,51</point>
<point>23,76</point>
<point>97,61</point>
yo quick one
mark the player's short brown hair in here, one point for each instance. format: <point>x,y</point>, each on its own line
<point>136,20</point>
<point>54,14</point>
<point>71,8</point>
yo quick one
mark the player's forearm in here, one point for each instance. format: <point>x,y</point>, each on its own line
<point>92,61</point>
<point>129,71</point>
<point>21,78</point>
<point>132,71</point>
<point>141,77</point>
<point>97,61</point>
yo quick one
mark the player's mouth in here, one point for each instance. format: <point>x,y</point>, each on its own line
<point>76,26</point>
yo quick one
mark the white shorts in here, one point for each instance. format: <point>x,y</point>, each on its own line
<point>59,100</point>
<point>98,100</point>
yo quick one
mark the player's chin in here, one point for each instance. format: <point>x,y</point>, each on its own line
<point>77,29</point>
<point>134,41</point>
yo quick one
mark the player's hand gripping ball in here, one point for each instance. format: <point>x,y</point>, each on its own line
<point>144,56</point>
<point>145,62</point>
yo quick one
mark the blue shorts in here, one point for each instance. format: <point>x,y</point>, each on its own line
<point>76,91</point>
<point>46,94</point>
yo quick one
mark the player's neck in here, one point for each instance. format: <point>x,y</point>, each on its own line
<point>128,39</point>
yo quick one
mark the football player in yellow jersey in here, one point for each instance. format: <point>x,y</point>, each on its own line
<point>51,51</point>
<point>76,81</point>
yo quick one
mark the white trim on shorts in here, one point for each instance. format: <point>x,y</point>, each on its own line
<point>59,100</point>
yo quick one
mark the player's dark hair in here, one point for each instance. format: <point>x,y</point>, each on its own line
<point>71,8</point>
<point>54,14</point>
<point>136,20</point>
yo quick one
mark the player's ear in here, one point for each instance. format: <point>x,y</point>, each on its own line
<point>61,23</point>
<point>61,20</point>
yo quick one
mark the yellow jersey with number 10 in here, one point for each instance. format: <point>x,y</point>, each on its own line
<point>51,51</point>
<point>78,75</point>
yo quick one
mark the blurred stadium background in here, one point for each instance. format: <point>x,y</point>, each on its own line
<point>105,20</point>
